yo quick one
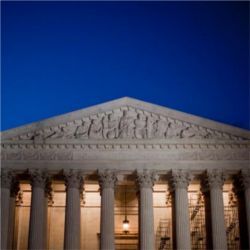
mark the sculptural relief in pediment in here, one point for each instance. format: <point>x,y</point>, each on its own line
<point>126,123</point>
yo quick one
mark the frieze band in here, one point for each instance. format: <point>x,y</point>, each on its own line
<point>126,123</point>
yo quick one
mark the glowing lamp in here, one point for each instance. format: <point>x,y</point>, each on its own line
<point>125,225</point>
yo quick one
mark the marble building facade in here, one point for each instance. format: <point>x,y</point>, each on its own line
<point>181,181</point>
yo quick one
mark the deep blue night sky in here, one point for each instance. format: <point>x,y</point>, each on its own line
<point>58,57</point>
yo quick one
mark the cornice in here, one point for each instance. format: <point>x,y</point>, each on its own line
<point>125,152</point>
<point>107,144</point>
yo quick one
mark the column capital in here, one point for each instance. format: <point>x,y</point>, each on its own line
<point>212,179</point>
<point>15,187</point>
<point>146,178</point>
<point>245,178</point>
<point>38,178</point>
<point>73,179</point>
<point>241,181</point>
<point>107,178</point>
<point>179,179</point>
<point>6,178</point>
<point>49,191</point>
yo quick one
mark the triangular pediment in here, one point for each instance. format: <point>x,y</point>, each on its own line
<point>125,118</point>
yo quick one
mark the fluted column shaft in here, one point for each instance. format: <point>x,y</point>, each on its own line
<point>6,181</point>
<point>213,183</point>
<point>74,182</point>
<point>107,181</point>
<point>218,221</point>
<point>178,187</point>
<point>247,200</point>
<point>37,213</point>
<point>12,209</point>
<point>47,200</point>
<point>145,181</point>
<point>245,182</point>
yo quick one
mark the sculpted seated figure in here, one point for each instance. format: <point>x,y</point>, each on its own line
<point>110,126</point>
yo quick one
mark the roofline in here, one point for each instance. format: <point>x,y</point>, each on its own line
<point>113,104</point>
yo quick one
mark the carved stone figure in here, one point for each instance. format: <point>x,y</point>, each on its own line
<point>44,134</point>
<point>127,126</point>
<point>82,131</point>
<point>28,136</point>
<point>95,130</point>
<point>58,132</point>
<point>151,127</point>
<point>189,132</point>
<point>69,130</point>
<point>162,127</point>
<point>203,133</point>
<point>140,127</point>
<point>110,126</point>
<point>174,129</point>
<point>126,123</point>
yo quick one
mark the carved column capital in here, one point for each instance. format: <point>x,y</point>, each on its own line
<point>49,191</point>
<point>73,179</point>
<point>179,179</point>
<point>146,178</point>
<point>38,178</point>
<point>9,180</point>
<point>107,178</point>
<point>245,178</point>
<point>6,178</point>
<point>241,181</point>
<point>212,179</point>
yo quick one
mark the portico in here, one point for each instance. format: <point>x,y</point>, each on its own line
<point>71,173</point>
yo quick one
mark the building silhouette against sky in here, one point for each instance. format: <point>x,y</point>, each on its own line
<point>125,175</point>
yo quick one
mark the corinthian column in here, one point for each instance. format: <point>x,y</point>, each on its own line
<point>179,182</point>
<point>6,181</point>
<point>107,181</point>
<point>145,181</point>
<point>48,200</point>
<point>245,184</point>
<point>74,183</point>
<point>13,193</point>
<point>37,214</point>
<point>212,188</point>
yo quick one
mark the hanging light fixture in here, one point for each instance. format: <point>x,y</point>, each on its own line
<point>125,224</point>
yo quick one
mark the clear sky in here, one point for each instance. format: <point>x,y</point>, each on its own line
<point>58,57</point>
